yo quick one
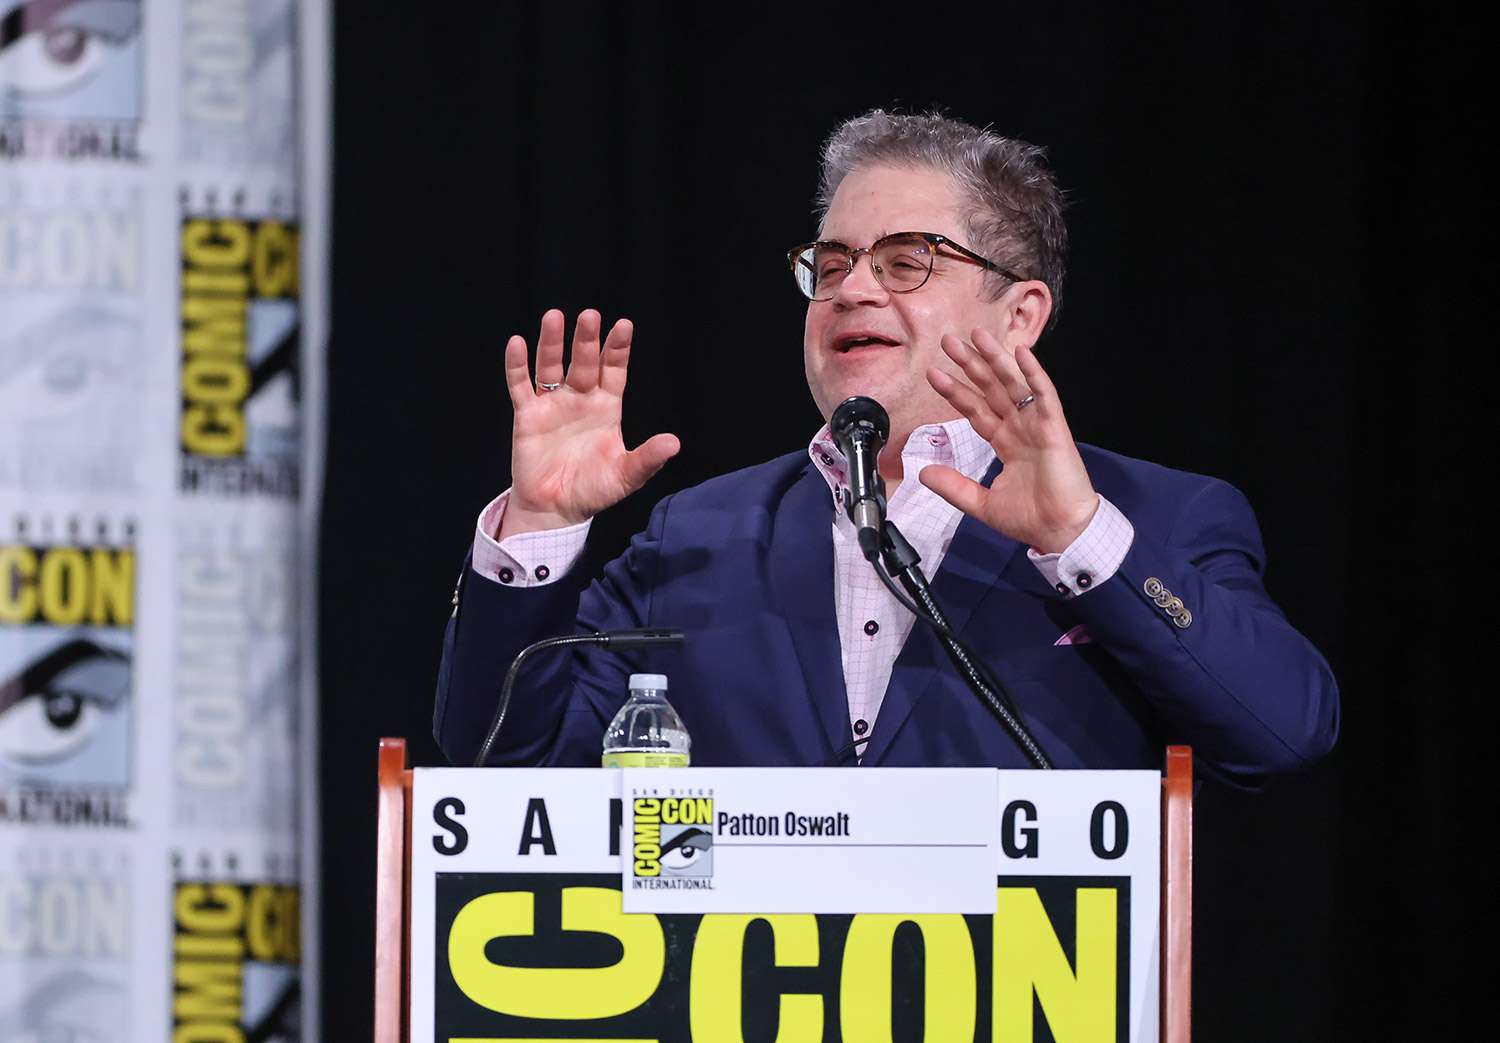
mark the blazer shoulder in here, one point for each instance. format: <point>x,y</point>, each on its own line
<point>759,483</point>
<point>1157,493</point>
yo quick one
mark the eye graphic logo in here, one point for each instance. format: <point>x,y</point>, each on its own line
<point>70,59</point>
<point>66,637</point>
<point>674,837</point>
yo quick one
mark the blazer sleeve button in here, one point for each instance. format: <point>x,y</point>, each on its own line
<point>1153,588</point>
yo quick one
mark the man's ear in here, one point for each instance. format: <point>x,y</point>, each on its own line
<point>1027,307</point>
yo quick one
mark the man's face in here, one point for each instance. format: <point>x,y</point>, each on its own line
<point>906,327</point>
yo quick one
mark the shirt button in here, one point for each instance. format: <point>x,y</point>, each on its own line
<point>827,460</point>
<point>506,575</point>
<point>1062,588</point>
<point>542,572</point>
<point>871,627</point>
<point>861,726</point>
<point>1084,581</point>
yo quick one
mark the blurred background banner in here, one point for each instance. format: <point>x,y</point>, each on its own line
<point>158,421</point>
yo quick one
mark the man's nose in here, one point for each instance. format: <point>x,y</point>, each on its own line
<point>861,285</point>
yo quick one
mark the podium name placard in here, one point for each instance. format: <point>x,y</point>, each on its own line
<point>809,904</point>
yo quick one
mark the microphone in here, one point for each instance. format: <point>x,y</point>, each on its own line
<point>644,637</point>
<point>860,427</point>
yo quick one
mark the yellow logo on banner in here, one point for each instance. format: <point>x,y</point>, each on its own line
<point>67,586</point>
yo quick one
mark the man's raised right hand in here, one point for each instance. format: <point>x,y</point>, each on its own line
<point>568,459</point>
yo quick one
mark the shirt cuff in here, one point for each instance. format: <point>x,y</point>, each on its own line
<point>1090,559</point>
<point>528,559</point>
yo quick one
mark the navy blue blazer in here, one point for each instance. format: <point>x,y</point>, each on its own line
<point>744,564</point>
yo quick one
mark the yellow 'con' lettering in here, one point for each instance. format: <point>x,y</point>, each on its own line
<point>272,923</point>
<point>950,984</point>
<point>66,586</point>
<point>687,811</point>
<point>556,993</point>
<point>1080,1008</point>
<point>716,999</point>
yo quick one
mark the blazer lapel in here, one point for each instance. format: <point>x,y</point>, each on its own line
<point>978,560</point>
<point>801,570</point>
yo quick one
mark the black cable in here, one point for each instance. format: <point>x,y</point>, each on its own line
<point>621,639</point>
<point>901,560</point>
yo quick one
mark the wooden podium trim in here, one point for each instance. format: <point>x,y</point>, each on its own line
<point>1177,896</point>
<point>392,894</point>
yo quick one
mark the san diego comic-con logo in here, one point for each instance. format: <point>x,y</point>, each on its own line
<point>65,936</point>
<point>241,328</point>
<point>70,79</point>
<point>236,956</point>
<point>67,618</point>
<point>673,842</point>
<point>72,350</point>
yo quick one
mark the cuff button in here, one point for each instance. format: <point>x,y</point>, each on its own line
<point>506,575</point>
<point>1062,588</point>
<point>1084,581</point>
<point>542,572</point>
<point>1154,587</point>
<point>1183,620</point>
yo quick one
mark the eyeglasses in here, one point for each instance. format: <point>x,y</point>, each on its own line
<point>902,262</point>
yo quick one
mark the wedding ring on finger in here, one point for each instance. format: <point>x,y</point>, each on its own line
<point>1023,403</point>
<point>548,387</point>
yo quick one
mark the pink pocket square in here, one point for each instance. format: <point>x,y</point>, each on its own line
<point>1079,635</point>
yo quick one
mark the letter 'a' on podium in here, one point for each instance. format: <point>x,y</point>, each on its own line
<point>663,904</point>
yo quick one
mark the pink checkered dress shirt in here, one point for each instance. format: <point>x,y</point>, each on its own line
<point>872,624</point>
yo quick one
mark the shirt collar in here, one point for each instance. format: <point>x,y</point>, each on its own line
<point>954,443</point>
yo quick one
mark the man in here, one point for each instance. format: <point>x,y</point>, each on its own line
<point>1119,602</point>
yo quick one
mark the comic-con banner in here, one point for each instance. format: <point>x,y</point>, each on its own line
<point>153,530</point>
<point>521,881</point>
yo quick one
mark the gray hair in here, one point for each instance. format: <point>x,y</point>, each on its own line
<point>1014,204</point>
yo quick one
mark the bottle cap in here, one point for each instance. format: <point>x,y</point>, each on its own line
<point>652,682</point>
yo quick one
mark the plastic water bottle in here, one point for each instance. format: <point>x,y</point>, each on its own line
<point>647,733</point>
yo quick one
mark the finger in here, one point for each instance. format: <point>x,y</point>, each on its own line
<point>975,366</point>
<point>646,459</point>
<point>583,367</point>
<point>962,492</point>
<point>616,357</point>
<point>1041,385</point>
<point>517,371</point>
<point>968,402</point>
<point>549,349</point>
<point>1012,382</point>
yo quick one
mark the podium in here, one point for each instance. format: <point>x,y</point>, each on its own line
<point>798,904</point>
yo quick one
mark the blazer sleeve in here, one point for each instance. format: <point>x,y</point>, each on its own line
<point>1251,695</point>
<point>563,700</point>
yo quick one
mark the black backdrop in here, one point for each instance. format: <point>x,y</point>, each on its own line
<point>1271,210</point>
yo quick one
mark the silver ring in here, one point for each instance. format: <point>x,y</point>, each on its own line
<point>1025,402</point>
<point>548,387</point>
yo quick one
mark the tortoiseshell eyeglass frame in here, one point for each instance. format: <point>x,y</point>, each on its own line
<point>934,240</point>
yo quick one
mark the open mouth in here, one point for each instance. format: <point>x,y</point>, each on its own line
<point>857,341</point>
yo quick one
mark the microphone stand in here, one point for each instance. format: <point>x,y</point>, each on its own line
<point>645,637</point>
<point>903,563</point>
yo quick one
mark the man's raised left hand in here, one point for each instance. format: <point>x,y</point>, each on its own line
<point>1042,496</point>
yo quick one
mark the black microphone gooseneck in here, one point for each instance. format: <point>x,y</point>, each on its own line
<point>860,427</point>
<point>619,639</point>
<point>903,562</point>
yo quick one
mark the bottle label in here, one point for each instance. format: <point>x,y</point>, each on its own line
<point>665,759</point>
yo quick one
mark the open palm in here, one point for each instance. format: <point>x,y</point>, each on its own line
<point>568,456</point>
